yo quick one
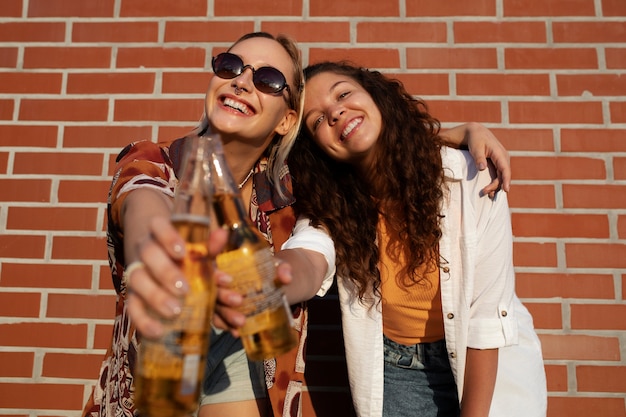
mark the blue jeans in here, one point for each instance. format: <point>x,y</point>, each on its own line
<point>419,381</point>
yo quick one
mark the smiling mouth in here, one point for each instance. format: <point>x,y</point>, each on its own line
<point>237,105</point>
<point>348,129</point>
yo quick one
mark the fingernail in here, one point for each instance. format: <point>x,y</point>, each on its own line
<point>154,330</point>
<point>224,279</point>
<point>179,248</point>
<point>173,306</point>
<point>235,298</point>
<point>181,286</point>
<point>482,166</point>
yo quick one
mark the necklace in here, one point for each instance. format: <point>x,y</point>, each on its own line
<point>245,180</point>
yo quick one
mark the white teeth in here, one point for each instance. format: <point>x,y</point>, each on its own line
<point>237,105</point>
<point>350,126</point>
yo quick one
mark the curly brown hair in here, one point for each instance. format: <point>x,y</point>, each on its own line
<point>405,185</point>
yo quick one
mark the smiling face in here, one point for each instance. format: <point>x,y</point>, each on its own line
<point>342,118</point>
<point>250,115</point>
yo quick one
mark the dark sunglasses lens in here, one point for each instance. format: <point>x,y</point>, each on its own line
<point>269,80</point>
<point>227,65</point>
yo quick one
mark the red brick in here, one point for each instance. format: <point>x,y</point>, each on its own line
<point>618,112</point>
<point>422,8</point>
<point>83,191</point>
<point>613,8</point>
<point>367,57</point>
<point>423,84</point>
<point>80,306</point>
<point>525,139</point>
<point>58,163</point>
<point>556,112</point>
<point>585,407</point>
<point>51,218</point>
<point>24,31</point>
<point>598,316</point>
<point>111,83</point>
<point>518,8</point>
<point>619,168</point>
<point>557,168</point>
<point>4,162</point>
<point>14,304</point>
<point>118,32</point>
<point>534,254</point>
<point>550,58</point>
<point>546,316</point>
<point>102,336</point>
<point>25,136</point>
<point>601,378</point>
<point>104,281</point>
<point>25,190</point>
<point>79,247</point>
<point>451,58</point>
<point>458,111</point>
<point>173,132</point>
<point>6,109</point>
<point>579,347</point>
<point>621,230</point>
<point>70,8</point>
<point>67,365</point>
<point>168,110</point>
<point>307,31</point>
<point>347,8</point>
<point>591,255</point>
<point>64,110</point>
<point>498,32</point>
<point>160,57</point>
<point>67,57</point>
<point>147,8</point>
<point>594,196</point>
<point>593,140</point>
<point>22,246</point>
<point>8,57</point>
<point>521,139</point>
<point>105,136</point>
<point>17,364</point>
<point>589,32</point>
<point>503,84</point>
<point>30,83</point>
<point>49,335</point>
<point>46,275</point>
<point>11,8</point>
<point>553,285</point>
<point>47,396</point>
<point>560,225</point>
<point>401,32</point>
<point>615,58</point>
<point>185,82</point>
<point>596,84</point>
<point>206,31</point>
<point>532,196</point>
<point>556,376</point>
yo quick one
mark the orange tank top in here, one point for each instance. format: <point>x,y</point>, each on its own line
<point>412,311</point>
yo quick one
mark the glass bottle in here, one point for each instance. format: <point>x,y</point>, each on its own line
<point>268,330</point>
<point>170,369</point>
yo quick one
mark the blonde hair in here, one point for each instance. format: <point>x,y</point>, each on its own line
<point>281,145</point>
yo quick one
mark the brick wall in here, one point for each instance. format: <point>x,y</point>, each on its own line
<point>79,79</point>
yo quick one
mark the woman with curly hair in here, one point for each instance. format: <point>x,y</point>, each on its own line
<point>432,324</point>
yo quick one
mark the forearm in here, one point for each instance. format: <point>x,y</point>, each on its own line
<point>458,136</point>
<point>480,379</point>
<point>138,210</point>
<point>308,269</point>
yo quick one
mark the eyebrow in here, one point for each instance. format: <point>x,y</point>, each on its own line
<point>330,90</point>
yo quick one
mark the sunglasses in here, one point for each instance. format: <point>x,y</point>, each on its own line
<point>267,80</point>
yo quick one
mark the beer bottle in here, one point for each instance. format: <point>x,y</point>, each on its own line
<point>268,330</point>
<point>170,369</point>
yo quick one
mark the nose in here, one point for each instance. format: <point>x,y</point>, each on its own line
<point>335,114</point>
<point>244,80</point>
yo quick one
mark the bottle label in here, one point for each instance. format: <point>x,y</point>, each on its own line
<point>253,275</point>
